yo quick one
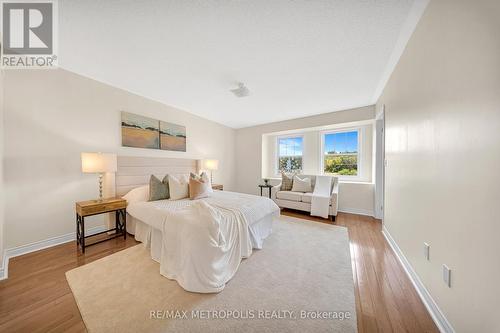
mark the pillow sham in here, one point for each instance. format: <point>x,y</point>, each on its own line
<point>203,176</point>
<point>301,184</point>
<point>198,188</point>
<point>158,189</point>
<point>286,181</point>
<point>178,187</point>
<point>138,194</point>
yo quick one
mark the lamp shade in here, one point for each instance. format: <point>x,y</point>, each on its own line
<point>210,165</point>
<point>98,162</point>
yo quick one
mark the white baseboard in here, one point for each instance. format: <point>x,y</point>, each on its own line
<point>437,315</point>
<point>357,211</point>
<point>40,245</point>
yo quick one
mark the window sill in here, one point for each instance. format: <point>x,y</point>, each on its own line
<point>361,182</point>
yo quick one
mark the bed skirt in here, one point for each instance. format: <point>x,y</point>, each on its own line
<point>152,237</point>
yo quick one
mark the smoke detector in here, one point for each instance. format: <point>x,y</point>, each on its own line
<point>241,91</point>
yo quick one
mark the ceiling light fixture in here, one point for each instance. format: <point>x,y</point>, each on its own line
<point>241,91</point>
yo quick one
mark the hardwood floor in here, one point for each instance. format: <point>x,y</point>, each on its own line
<point>385,298</point>
<point>37,298</point>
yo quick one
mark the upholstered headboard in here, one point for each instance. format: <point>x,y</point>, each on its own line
<point>134,171</point>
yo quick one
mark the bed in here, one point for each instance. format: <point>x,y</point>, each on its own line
<point>145,218</point>
<point>152,222</point>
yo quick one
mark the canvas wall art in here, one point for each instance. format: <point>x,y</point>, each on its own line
<point>139,131</point>
<point>143,132</point>
<point>172,136</point>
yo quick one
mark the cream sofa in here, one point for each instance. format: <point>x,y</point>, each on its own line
<point>302,201</point>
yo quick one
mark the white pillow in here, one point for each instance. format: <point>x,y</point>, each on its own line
<point>301,185</point>
<point>206,179</point>
<point>179,187</point>
<point>138,194</point>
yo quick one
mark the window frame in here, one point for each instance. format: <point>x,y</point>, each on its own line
<point>323,134</point>
<point>277,170</point>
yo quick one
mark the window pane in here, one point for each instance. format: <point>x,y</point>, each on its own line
<point>341,153</point>
<point>290,154</point>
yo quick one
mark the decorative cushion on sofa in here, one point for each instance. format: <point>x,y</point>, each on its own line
<point>286,181</point>
<point>289,195</point>
<point>301,184</point>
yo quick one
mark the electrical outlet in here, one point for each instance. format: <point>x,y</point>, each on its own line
<point>427,248</point>
<point>447,275</point>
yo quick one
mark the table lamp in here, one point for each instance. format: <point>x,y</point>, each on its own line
<point>98,163</point>
<point>211,165</point>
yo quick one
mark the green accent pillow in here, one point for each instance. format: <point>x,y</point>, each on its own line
<point>158,190</point>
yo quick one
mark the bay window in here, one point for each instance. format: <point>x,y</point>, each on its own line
<point>289,157</point>
<point>340,153</point>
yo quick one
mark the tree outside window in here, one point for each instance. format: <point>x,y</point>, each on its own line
<point>340,153</point>
<point>290,154</point>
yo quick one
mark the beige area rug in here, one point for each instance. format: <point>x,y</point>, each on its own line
<point>301,281</point>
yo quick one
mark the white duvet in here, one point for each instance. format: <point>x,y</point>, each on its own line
<point>203,246</point>
<point>204,240</point>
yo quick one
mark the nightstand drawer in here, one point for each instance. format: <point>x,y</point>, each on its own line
<point>218,187</point>
<point>96,207</point>
<point>101,208</point>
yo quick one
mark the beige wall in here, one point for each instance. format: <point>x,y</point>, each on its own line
<point>442,107</point>
<point>250,160</point>
<point>1,170</point>
<point>51,116</point>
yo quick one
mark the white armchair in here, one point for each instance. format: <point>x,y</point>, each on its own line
<point>302,201</point>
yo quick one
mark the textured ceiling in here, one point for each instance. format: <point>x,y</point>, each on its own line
<point>296,57</point>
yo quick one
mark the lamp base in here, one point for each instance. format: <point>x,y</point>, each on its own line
<point>100,186</point>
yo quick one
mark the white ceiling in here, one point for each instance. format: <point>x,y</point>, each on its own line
<point>297,57</point>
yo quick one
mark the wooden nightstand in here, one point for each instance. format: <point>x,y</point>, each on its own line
<point>218,187</point>
<point>95,207</point>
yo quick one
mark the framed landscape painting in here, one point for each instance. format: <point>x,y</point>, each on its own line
<point>172,137</point>
<point>139,131</point>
